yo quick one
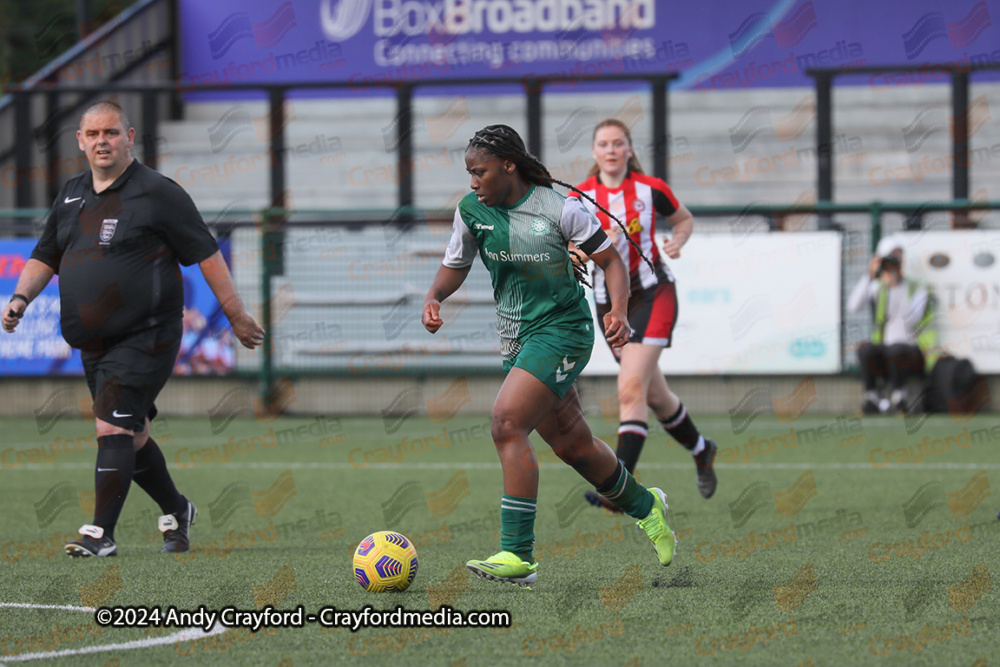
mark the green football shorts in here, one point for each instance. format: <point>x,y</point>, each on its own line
<point>554,356</point>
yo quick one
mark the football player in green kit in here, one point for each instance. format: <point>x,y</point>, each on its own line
<point>521,227</point>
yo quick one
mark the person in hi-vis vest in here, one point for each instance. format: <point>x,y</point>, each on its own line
<point>904,341</point>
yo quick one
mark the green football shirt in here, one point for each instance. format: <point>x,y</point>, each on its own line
<point>524,249</point>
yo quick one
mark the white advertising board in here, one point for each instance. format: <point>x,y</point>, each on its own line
<point>963,270</point>
<point>754,304</point>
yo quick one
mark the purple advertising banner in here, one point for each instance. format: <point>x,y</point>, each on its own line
<point>712,45</point>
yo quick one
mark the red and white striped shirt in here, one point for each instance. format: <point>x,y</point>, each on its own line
<point>635,202</point>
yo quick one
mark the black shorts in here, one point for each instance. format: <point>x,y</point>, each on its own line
<point>652,314</point>
<point>126,377</point>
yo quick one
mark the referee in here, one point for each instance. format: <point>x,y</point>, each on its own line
<point>115,236</point>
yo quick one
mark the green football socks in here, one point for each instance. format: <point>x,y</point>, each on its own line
<point>623,490</point>
<point>517,526</point>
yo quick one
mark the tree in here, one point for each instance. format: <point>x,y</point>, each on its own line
<point>36,32</point>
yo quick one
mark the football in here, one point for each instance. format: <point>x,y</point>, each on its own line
<point>385,561</point>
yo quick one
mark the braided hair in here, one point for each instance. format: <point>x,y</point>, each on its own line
<point>504,143</point>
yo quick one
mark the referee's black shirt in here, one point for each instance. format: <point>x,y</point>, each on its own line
<point>116,254</point>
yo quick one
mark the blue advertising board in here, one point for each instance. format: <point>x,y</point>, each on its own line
<point>37,346</point>
<point>714,44</point>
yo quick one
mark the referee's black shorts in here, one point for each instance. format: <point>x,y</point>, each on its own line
<point>126,377</point>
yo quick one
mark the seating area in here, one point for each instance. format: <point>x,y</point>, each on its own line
<point>892,146</point>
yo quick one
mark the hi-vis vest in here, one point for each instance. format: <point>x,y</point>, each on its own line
<point>926,334</point>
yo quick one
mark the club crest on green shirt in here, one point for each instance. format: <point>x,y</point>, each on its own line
<point>539,227</point>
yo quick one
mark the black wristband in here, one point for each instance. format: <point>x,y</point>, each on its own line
<point>19,296</point>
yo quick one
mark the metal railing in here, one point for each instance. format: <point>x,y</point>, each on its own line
<point>534,90</point>
<point>274,219</point>
<point>958,74</point>
<point>122,50</point>
<point>273,222</point>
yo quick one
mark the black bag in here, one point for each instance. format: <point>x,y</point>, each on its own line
<point>954,387</point>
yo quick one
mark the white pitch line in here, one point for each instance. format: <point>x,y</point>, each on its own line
<point>184,442</point>
<point>856,466</point>
<point>460,465</point>
<point>224,437</point>
<point>189,634</point>
<point>805,423</point>
<point>28,605</point>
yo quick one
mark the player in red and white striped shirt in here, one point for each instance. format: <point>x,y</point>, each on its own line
<point>618,184</point>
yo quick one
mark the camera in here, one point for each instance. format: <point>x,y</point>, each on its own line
<point>888,263</point>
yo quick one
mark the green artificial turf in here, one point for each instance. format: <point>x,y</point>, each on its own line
<point>830,540</point>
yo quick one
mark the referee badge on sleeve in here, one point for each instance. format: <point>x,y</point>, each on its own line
<point>108,230</point>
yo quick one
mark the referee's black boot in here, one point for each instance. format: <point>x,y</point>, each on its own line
<point>175,529</point>
<point>705,460</point>
<point>92,542</point>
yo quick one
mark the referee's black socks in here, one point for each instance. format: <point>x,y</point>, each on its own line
<point>682,429</point>
<point>112,479</point>
<point>152,476</point>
